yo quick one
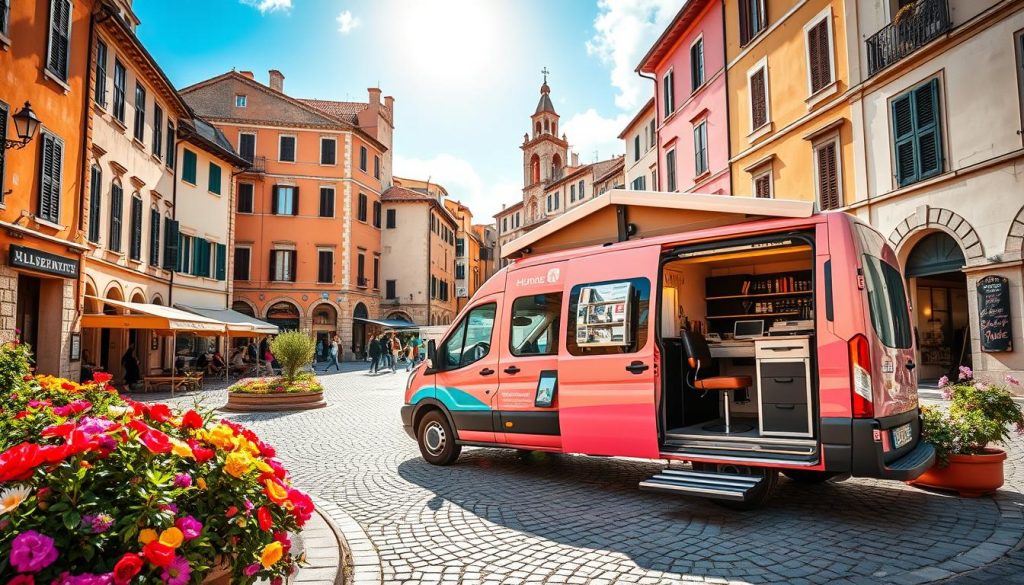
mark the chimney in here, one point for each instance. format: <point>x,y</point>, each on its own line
<point>374,96</point>
<point>575,159</point>
<point>247,74</point>
<point>276,80</point>
<point>389,103</point>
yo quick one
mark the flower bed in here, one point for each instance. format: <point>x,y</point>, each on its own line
<point>304,382</point>
<point>98,489</point>
<point>304,392</point>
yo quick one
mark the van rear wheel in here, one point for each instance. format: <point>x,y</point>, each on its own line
<point>755,497</point>
<point>436,439</point>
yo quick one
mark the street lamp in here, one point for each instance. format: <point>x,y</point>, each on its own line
<point>25,124</point>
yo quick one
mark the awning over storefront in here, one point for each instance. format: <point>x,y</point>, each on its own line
<point>389,323</point>
<point>148,316</point>
<point>239,324</point>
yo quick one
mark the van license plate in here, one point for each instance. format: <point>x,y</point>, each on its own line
<point>902,435</point>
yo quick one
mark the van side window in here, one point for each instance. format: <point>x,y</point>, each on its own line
<point>887,301</point>
<point>638,319</point>
<point>535,324</point>
<point>470,341</point>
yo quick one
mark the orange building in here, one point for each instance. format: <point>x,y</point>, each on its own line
<point>307,241</point>
<point>44,61</point>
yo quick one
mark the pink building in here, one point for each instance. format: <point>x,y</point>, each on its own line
<point>688,65</point>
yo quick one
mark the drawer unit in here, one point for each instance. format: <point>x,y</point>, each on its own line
<point>785,419</point>
<point>782,347</point>
<point>784,397</point>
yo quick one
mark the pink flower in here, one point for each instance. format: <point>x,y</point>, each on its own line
<point>178,572</point>
<point>84,579</point>
<point>981,386</point>
<point>947,393</point>
<point>182,480</point>
<point>252,569</point>
<point>97,523</point>
<point>943,381</point>
<point>22,580</point>
<point>32,552</point>
<point>966,373</point>
<point>1011,380</point>
<point>189,526</point>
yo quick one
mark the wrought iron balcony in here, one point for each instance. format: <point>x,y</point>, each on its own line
<point>914,26</point>
<point>362,281</point>
<point>257,164</point>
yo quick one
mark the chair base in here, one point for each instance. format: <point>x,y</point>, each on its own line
<point>733,428</point>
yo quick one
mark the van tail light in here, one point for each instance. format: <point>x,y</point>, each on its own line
<point>860,378</point>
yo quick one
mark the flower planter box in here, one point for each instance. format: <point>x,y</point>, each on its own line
<point>245,402</point>
<point>969,475</point>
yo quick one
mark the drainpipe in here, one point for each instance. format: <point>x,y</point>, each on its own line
<point>430,235</point>
<point>657,125</point>
<point>728,130</point>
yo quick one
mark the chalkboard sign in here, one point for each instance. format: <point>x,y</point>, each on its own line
<point>994,313</point>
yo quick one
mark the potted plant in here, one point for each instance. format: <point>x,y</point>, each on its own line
<point>295,389</point>
<point>978,416</point>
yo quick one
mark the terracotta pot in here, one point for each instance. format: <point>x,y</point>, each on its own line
<point>969,475</point>
<point>241,401</point>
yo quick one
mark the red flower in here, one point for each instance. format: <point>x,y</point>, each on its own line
<point>63,431</point>
<point>192,420</point>
<point>302,505</point>
<point>201,453</point>
<point>67,386</point>
<point>156,441</point>
<point>19,462</point>
<point>102,377</point>
<point>159,412</point>
<point>266,522</point>
<point>266,450</point>
<point>158,554</point>
<point>231,511</point>
<point>126,568</point>
<point>22,580</point>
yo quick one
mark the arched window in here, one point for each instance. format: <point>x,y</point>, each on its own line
<point>243,308</point>
<point>285,315</point>
<point>547,126</point>
<point>537,130</point>
<point>534,169</point>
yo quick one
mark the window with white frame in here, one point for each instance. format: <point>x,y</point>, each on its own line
<point>241,101</point>
<point>697,63</point>
<point>828,173</point>
<point>636,147</point>
<point>668,91</point>
<point>757,87</point>
<point>243,261</point>
<point>700,148</point>
<point>762,183</point>
<point>247,145</point>
<point>328,151</point>
<point>282,265</point>
<point>753,19</point>
<point>286,149</point>
<point>670,170</point>
<point>818,37</point>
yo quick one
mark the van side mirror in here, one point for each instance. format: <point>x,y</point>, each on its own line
<point>431,354</point>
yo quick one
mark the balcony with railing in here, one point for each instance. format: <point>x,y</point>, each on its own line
<point>257,164</point>
<point>914,26</point>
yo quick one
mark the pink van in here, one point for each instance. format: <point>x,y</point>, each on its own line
<point>747,341</point>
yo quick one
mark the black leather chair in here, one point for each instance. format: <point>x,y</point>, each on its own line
<point>698,357</point>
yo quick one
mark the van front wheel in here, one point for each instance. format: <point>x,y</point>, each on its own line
<point>436,439</point>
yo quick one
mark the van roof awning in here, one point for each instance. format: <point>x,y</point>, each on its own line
<point>149,316</point>
<point>238,324</point>
<point>618,214</point>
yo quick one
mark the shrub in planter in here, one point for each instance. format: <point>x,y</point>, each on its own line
<point>979,415</point>
<point>294,351</point>
<point>99,489</point>
<point>303,382</point>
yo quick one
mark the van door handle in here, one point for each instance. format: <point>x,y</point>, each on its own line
<point>511,370</point>
<point>486,372</point>
<point>637,367</point>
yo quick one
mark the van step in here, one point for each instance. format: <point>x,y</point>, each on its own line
<point>725,486</point>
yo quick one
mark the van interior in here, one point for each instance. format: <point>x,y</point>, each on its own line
<point>737,338</point>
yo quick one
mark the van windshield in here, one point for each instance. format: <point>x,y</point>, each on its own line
<point>887,300</point>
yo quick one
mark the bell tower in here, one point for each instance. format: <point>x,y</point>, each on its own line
<point>545,153</point>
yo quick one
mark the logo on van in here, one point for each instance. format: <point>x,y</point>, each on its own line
<point>553,275</point>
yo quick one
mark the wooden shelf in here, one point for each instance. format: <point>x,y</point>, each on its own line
<point>753,315</point>
<point>759,295</point>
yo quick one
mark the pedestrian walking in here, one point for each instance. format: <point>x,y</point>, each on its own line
<point>375,354</point>
<point>319,350</point>
<point>332,354</point>
<point>410,355</point>
<point>396,350</point>
<point>387,359</point>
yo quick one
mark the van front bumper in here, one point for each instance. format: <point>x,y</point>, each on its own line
<point>407,412</point>
<point>863,447</point>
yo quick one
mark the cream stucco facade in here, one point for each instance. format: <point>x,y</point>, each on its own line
<point>641,140</point>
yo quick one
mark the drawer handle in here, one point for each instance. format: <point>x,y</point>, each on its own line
<point>783,380</point>
<point>785,348</point>
<point>786,406</point>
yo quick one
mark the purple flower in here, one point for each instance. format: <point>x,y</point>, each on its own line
<point>84,579</point>
<point>249,505</point>
<point>178,572</point>
<point>183,480</point>
<point>252,569</point>
<point>94,426</point>
<point>943,381</point>
<point>189,526</point>
<point>1011,380</point>
<point>97,523</point>
<point>106,442</point>
<point>966,373</point>
<point>981,386</point>
<point>32,552</point>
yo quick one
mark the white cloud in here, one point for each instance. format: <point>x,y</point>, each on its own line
<point>462,182</point>
<point>624,31</point>
<point>347,22</point>
<point>266,6</point>
<point>589,131</point>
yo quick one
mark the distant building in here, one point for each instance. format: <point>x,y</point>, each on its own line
<point>468,272</point>
<point>641,141</point>
<point>308,210</point>
<point>488,236</point>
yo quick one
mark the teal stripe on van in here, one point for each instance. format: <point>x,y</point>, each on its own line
<point>453,398</point>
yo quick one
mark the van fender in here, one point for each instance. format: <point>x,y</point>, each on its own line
<point>422,406</point>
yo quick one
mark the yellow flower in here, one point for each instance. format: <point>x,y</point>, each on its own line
<point>181,448</point>
<point>11,498</point>
<point>276,492</point>
<point>147,535</point>
<point>172,537</point>
<point>271,554</point>
<point>262,466</point>
<point>201,483</point>
<point>237,464</point>
<point>221,436</point>
<point>241,522</point>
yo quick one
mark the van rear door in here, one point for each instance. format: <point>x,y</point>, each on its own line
<point>607,366</point>
<point>889,336</point>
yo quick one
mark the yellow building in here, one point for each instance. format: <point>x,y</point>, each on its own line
<point>789,114</point>
<point>469,273</point>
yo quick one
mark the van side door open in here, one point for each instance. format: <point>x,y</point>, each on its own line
<point>607,367</point>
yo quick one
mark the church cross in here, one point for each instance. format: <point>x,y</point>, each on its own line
<point>545,72</point>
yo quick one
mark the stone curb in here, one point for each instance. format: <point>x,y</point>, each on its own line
<point>360,554</point>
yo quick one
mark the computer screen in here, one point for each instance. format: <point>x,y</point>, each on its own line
<point>747,329</point>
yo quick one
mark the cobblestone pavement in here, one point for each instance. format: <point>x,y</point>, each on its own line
<point>497,517</point>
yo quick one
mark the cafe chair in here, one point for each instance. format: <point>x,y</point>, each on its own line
<point>698,356</point>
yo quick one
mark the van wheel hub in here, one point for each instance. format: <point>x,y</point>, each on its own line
<point>434,437</point>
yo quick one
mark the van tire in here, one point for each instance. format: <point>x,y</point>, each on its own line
<point>807,477</point>
<point>436,439</point>
<point>757,497</point>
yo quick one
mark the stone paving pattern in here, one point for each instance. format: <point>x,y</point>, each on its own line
<point>498,517</point>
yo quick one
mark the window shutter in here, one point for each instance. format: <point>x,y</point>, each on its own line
<point>214,178</point>
<point>50,177</point>
<point>273,199</point>
<point>272,275</point>
<point>926,114</point>
<point>758,105</point>
<point>154,237</point>
<point>903,140</point>
<point>744,23</point>
<point>170,244</point>
<point>295,200</point>
<point>222,261</point>
<point>95,202</point>
<point>762,187</point>
<point>817,56</point>
<point>828,177</point>
<point>3,156</point>
<point>136,219</point>
<point>294,267</point>
<point>116,210</point>
<point>60,33</point>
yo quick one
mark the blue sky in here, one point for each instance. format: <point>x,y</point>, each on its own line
<point>465,74</point>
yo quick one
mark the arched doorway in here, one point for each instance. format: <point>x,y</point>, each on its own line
<point>112,341</point>
<point>939,297</point>
<point>325,327</point>
<point>243,308</point>
<point>359,330</point>
<point>285,315</point>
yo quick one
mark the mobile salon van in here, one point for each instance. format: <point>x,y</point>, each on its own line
<point>746,336</point>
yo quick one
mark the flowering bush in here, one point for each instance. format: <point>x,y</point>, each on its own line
<point>304,382</point>
<point>96,489</point>
<point>978,415</point>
